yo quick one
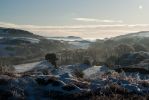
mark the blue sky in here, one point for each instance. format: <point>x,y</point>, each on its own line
<point>64,15</point>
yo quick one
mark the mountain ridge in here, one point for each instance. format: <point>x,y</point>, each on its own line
<point>142,34</point>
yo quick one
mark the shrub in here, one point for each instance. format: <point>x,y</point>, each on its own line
<point>81,84</point>
<point>6,69</point>
<point>139,47</point>
<point>117,89</point>
<point>41,81</point>
<point>4,81</point>
<point>68,87</point>
<point>51,57</point>
<point>78,73</point>
<point>87,62</point>
<point>111,61</point>
<point>10,48</point>
<point>144,84</point>
<point>46,72</point>
<point>52,80</point>
<point>133,70</point>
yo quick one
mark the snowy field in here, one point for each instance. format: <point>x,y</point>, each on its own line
<point>25,67</point>
<point>61,82</point>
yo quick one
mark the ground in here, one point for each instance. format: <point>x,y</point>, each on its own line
<point>41,80</point>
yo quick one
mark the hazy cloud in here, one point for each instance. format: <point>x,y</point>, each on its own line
<point>86,31</point>
<point>97,20</point>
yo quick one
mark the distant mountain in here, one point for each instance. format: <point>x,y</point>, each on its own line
<point>76,42</point>
<point>68,38</point>
<point>74,37</point>
<point>10,35</point>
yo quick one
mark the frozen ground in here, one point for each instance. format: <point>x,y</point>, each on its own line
<point>62,81</point>
<point>88,71</point>
<point>26,67</point>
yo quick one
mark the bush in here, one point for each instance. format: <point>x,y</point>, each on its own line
<point>133,70</point>
<point>118,89</point>
<point>111,60</point>
<point>51,57</point>
<point>10,48</point>
<point>78,73</point>
<point>68,87</point>
<point>144,84</point>
<point>52,80</point>
<point>46,72</point>
<point>87,62</point>
<point>139,47</point>
<point>6,69</point>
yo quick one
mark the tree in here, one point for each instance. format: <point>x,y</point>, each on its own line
<point>123,49</point>
<point>51,57</point>
<point>139,47</point>
<point>111,61</point>
<point>87,62</point>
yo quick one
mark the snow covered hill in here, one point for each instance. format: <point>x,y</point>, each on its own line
<point>20,46</point>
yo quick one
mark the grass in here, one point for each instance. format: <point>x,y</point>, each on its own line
<point>112,92</point>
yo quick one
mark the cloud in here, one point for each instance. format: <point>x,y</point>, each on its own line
<point>11,25</point>
<point>85,31</point>
<point>97,20</point>
<point>5,24</point>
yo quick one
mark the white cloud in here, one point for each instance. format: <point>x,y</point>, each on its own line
<point>5,24</point>
<point>97,20</point>
<point>86,31</point>
<point>86,19</point>
<point>11,25</point>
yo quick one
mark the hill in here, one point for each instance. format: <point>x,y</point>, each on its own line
<point>141,34</point>
<point>16,44</point>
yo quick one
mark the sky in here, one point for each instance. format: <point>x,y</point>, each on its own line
<point>84,18</point>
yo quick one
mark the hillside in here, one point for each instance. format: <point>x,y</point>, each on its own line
<point>108,69</point>
<point>16,44</point>
<point>125,50</point>
<point>141,38</point>
<point>141,34</point>
<point>10,32</point>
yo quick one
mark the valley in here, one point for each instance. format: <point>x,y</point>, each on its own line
<point>75,67</point>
